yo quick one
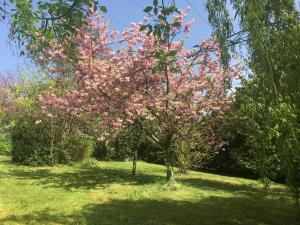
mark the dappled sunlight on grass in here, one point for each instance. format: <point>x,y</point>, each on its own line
<point>107,193</point>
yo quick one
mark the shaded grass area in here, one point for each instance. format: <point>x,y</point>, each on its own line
<point>106,193</point>
<point>5,145</point>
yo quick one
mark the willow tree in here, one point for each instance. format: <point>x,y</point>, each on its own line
<point>270,31</point>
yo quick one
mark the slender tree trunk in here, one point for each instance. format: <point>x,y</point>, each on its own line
<point>51,144</point>
<point>134,162</point>
<point>297,196</point>
<point>169,158</point>
<point>169,164</point>
<point>170,173</point>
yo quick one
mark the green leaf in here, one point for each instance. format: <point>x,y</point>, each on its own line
<point>155,2</point>
<point>157,55</point>
<point>148,9</point>
<point>157,30</point>
<point>167,11</point>
<point>103,9</point>
<point>176,24</point>
<point>154,69</point>
<point>172,53</point>
<point>161,17</point>
<point>150,29</point>
<point>144,27</point>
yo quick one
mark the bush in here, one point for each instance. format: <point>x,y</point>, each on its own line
<point>115,151</point>
<point>148,151</point>
<point>102,152</point>
<point>47,143</point>
<point>123,146</point>
<point>76,146</point>
<point>30,143</point>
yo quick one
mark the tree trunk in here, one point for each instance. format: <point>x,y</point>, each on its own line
<point>170,173</point>
<point>134,162</point>
<point>52,135</point>
<point>297,196</point>
<point>169,158</point>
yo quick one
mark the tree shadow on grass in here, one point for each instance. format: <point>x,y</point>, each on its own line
<point>95,177</point>
<point>5,160</point>
<point>217,185</point>
<point>209,211</point>
<point>85,177</point>
<point>245,189</point>
<point>45,216</point>
<point>248,206</point>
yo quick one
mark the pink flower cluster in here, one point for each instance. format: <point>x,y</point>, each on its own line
<point>115,80</point>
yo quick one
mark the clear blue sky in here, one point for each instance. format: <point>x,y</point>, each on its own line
<point>120,13</point>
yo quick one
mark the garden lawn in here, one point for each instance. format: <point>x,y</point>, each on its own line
<point>106,193</point>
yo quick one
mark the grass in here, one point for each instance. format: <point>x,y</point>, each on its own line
<point>106,193</point>
<point>5,145</point>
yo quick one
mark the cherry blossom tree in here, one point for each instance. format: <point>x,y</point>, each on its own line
<point>120,79</point>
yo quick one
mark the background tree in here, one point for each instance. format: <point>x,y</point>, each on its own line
<point>271,30</point>
<point>271,131</point>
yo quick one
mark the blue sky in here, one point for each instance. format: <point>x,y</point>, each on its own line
<point>120,13</point>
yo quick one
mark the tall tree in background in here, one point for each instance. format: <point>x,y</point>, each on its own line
<point>270,30</point>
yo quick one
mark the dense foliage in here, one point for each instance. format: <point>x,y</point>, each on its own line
<point>32,142</point>
<point>47,143</point>
<point>39,23</point>
<point>270,106</point>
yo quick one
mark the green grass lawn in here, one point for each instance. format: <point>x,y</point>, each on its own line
<point>106,193</point>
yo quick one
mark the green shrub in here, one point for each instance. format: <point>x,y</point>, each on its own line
<point>102,152</point>
<point>30,142</point>
<point>47,143</point>
<point>76,146</point>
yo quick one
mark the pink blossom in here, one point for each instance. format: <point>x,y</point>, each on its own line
<point>49,115</point>
<point>38,122</point>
